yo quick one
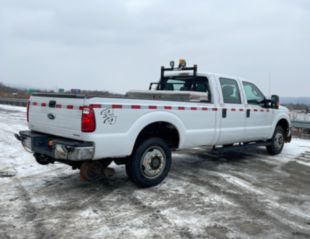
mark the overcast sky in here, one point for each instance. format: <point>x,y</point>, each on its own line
<point>120,45</point>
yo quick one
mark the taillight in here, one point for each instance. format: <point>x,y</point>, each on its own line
<point>28,105</point>
<point>88,119</point>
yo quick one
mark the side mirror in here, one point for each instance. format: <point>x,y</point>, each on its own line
<point>275,101</point>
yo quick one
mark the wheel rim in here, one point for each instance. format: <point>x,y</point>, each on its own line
<point>278,141</point>
<point>153,162</point>
<point>90,171</point>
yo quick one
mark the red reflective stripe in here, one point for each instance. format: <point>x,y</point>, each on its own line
<point>95,106</point>
<point>43,104</point>
<point>135,107</point>
<point>268,110</point>
<point>34,103</point>
<point>117,106</point>
<point>153,107</point>
<point>262,110</point>
<point>255,110</point>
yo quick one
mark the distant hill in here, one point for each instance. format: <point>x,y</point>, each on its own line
<point>20,93</point>
<point>295,100</point>
<point>6,88</point>
<point>11,92</point>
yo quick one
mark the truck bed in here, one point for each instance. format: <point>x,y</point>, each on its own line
<point>137,94</point>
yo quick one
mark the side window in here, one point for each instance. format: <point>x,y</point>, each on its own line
<point>230,90</point>
<point>253,94</point>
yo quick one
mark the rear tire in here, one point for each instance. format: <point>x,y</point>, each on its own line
<point>150,163</point>
<point>277,141</point>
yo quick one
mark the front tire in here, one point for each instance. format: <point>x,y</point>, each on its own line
<point>150,163</point>
<point>277,141</point>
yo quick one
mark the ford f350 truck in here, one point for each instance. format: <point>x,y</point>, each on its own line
<point>185,109</point>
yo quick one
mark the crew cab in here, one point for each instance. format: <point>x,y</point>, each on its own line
<point>185,109</point>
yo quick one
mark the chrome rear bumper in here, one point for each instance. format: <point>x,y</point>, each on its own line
<point>55,147</point>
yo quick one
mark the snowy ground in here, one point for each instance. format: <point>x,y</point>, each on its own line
<point>206,195</point>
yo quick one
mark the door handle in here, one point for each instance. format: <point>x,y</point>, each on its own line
<point>224,113</point>
<point>248,113</point>
<point>52,103</point>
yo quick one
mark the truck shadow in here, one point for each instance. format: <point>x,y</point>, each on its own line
<point>209,157</point>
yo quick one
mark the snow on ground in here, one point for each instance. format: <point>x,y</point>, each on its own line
<point>206,195</point>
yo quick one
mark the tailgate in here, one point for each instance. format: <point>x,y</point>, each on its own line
<point>60,116</point>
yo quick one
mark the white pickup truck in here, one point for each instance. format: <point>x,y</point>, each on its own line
<point>184,109</point>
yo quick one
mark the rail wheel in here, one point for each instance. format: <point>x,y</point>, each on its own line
<point>95,170</point>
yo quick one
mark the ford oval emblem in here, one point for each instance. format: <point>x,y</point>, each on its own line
<point>51,116</point>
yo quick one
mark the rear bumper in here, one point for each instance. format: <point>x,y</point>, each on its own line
<point>56,148</point>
